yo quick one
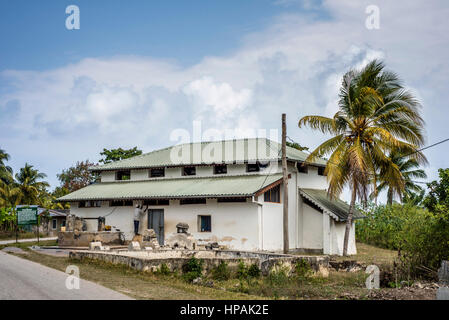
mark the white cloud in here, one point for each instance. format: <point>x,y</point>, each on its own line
<point>294,66</point>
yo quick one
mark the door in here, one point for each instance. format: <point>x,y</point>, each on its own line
<point>156,222</point>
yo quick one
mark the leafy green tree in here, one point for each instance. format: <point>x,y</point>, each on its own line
<point>376,116</point>
<point>29,182</point>
<point>10,195</point>
<point>5,171</point>
<point>437,199</point>
<point>296,145</point>
<point>77,176</point>
<point>118,154</point>
<point>409,171</point>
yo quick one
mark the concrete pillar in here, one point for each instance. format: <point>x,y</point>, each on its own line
<point>326,233</point>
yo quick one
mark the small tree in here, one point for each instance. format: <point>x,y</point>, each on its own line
<point>118,154</point>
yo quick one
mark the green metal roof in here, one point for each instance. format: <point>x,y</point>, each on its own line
<point>336,207</point>
<point>227,151</point>
<point>231,186</point>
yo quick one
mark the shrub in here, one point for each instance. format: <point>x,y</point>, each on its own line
<point>278,277</point>
<point>192,269</point>
<point>242,270</point>
<point>221,272</point>
<point>163,269</point>
<point>254,271</point>
<point>303,269</point>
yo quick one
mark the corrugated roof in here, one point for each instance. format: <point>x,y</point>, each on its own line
<point>227,151</point>
<point>230,186</point>
<point>336,207</point>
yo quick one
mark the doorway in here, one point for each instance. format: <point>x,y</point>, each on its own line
<point>156,222</point>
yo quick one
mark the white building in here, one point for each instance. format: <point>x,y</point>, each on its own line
<point>228,192</point>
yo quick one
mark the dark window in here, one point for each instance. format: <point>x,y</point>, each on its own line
<point>264,164</point>
<point>302,168</point>
<point>221,169</point>
<point>63,223</point>
<point>123,175</point>
<point>91,204</point>
<point>193,201</point>
<point>121,203</point>
<point>82,204</point>
<point>54,224</point>
<point>321,171</point>
<point>205,223</point>
<point>189,171</point>
<point>252,167</point>
<point>156,202</point>
<point>231,200</point>
<point>273,195</point>
<point>155,173</point>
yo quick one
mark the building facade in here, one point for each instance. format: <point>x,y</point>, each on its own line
<point>228,192</point>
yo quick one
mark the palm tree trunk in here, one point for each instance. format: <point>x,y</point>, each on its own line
<point>349,222</point>
<point>390,197</point>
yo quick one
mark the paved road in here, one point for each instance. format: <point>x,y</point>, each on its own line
<point>27,240</point>
<point>24,279</point>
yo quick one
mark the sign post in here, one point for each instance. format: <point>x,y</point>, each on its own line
<point>27,215</point>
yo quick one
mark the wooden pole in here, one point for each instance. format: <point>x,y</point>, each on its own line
<point>285,183</point>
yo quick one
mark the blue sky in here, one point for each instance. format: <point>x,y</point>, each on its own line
<point>138,70</point>
<point>35,36</point>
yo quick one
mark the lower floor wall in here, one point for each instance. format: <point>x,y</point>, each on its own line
<point>241,226</point>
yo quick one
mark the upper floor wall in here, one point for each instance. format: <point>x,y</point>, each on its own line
<point>307,177</point>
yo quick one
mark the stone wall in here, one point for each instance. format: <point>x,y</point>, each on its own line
<point>175,259</point>
<point>83,238</point>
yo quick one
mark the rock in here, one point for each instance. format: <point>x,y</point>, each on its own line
<point>134,246</point>
<point>137,238</point>
<point>211,246</point>
<point>95,245</point>
<point>148,235</point>
<point>182,227</point>
<point>443,293</point>
<point>196,280</point>
<point>181,241</point>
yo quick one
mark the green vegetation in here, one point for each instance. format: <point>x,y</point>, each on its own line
<point>221,272</point>
<point>377,117</point>
<point>192,269</point>
<point>420,234</point>
<point>118,154</point>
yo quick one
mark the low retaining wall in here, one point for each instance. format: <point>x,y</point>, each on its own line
<point>175,259</point>
<point>83,238</point>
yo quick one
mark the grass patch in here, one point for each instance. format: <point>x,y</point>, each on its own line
<point>369,254</point>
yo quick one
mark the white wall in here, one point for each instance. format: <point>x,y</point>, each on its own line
<point>312,228</point>
<point>311,179</point>
<point>233,224</point>
<point>338,235</point>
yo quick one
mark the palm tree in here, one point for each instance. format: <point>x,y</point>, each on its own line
<point>376,116</point>
<point>5,171</point>
<point>10,195</point>
<point>409,172</point>
<point>30,186</point>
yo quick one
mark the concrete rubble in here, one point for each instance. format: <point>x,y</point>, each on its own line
<point>182,239</point>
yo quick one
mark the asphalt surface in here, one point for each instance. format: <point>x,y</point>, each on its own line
<point>27,240</point>
<point>21,279</point>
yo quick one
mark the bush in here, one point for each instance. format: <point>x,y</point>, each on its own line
<point>303,269</point>
<point>242,270</point>
<point>163,269</point>
<point>278,277</point>
<point>420,236</point>
<point>192,269</point>
<point>254,271</point>
<point>221,272</point>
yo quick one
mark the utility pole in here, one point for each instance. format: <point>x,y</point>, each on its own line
<point>285,183</point>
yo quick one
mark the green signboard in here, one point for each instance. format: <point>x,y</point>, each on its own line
<point>26,215</point>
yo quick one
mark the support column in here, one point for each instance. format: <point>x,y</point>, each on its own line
<point>326,233</point>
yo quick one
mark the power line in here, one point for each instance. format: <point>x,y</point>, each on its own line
<point>406,155</point>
